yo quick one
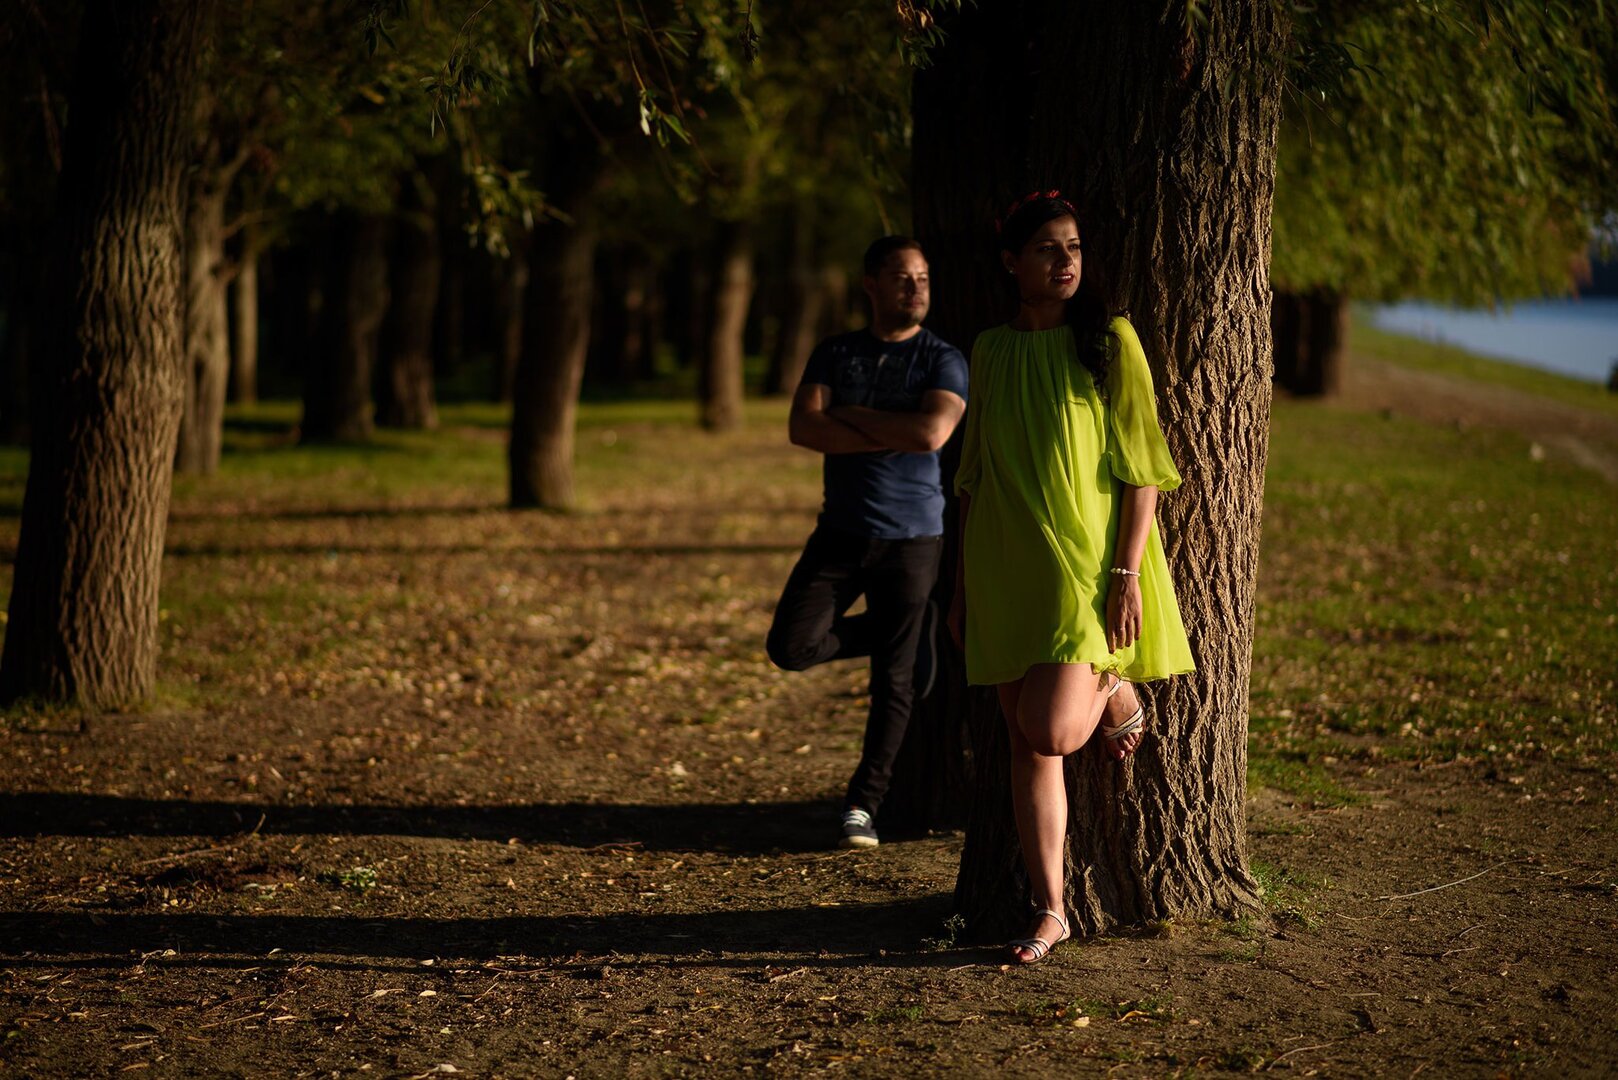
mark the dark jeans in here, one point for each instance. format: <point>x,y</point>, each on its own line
<point>811,627</point>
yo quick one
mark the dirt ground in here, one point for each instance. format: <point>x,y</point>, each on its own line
<point>508,795</point>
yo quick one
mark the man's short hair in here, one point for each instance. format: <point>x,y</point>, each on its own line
<point>876,256</point>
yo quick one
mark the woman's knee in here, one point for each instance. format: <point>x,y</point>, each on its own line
<point>1052,742</point>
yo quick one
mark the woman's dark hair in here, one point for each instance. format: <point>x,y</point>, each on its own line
<point>1088,313</point>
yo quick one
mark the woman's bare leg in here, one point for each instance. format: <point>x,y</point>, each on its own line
<point>1050,713</point>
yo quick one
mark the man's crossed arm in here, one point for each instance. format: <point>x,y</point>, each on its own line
<point>854,429</point>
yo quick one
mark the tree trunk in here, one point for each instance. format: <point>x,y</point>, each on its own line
<point>721,382</point>
<point>805,301</point>
<point>82,625</point>
<point>244,326</point>
<point>1287,333</point>
<point>1327,323</point>
<point>207,328</point>
<point>688,308</point>
<point>405,384</point>
<point>337,386</point>
<point>19,257</point>
<point>449,320</point>
<point>1309,330</point>
<point>556,339</point>
<point>634,340</point>
<point>1167,145</point>
<point>511,290</point>
<point>834,307</point>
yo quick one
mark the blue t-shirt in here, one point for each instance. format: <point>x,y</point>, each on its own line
<point>887,494</point>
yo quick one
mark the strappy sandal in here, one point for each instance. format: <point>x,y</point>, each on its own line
<point>1039,946</point>
<point>1135,723</point>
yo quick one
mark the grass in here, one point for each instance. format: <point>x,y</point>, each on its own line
<point>1458,363</point>
<point>1427,593</point>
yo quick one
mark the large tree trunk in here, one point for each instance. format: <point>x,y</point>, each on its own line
<point>405,385</point>
<point>1309,332</point>
<point>207,326</point>
<point>82,625</point>
<point>337,386</point>
<point>721,383</point>
<point>561,274</point>
<point>1167,144</point>
<point>244,324</point>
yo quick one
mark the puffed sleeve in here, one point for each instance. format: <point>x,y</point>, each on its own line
<point>1135,444</point>
<point>970,468</point>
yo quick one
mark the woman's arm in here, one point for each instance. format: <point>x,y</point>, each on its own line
<point>1123,596</point>
<point>956,619</point>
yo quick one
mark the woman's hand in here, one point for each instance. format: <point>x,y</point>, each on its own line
<point>1123,612</point>
<point>956,621</point>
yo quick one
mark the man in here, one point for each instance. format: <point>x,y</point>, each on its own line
<point>879,403</point>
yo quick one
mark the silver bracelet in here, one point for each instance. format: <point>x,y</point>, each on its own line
<point>1125,573</point>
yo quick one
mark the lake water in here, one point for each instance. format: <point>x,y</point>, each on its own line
<point>1578,337</point>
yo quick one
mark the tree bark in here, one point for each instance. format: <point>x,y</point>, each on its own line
<point>1166,143</point>
<point>244,325</point>
<point>405,386</point>
<point>337,387</point>
<point>511,290</point>
<point>556,339</point>
<point>207,332</point>
<point>722,382</point>
<point>82,624</point>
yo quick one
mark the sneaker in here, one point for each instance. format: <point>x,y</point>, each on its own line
<point>926,672</point>
<point>857,828</point>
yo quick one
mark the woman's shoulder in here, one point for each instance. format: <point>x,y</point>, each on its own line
<point>1120,325</point>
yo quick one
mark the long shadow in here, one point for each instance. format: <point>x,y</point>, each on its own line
<point>340,513</point>
<point>210,551</point>
<point>739,828</point>
<point>813,936</point>
<point>192,551</point>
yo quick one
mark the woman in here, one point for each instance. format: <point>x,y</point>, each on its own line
<point>1062,593</point>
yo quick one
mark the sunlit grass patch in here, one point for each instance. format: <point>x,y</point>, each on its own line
<point>1288,895</point>
<point>1429,593</point>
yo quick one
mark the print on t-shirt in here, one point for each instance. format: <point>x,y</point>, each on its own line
<point>886,494</point>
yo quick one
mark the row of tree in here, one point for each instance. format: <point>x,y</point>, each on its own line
<point>197,136</point>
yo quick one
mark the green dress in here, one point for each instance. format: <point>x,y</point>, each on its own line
<point>1045,460</point>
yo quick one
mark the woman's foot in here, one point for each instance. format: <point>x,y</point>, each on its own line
<point>1049,930</point>
<point>1122,721</point>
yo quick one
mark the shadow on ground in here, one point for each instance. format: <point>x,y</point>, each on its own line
<point>736,828</point>
<point>838,936</point>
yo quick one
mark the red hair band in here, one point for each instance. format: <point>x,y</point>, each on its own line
<point>1000,222</point>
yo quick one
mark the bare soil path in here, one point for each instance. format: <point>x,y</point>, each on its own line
<point>1586,438</point>
<point>438,788</point>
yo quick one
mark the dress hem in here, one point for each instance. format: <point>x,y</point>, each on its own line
<point>1101,668</point>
